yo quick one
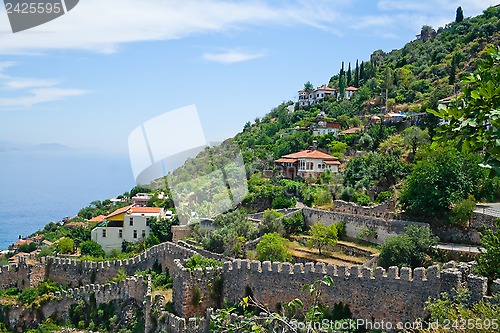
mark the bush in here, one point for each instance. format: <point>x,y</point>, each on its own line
<point>410,249</point>
<point>91,248</point>
<point>462,211</point>
<point>273,247</point>
<point>294,224</point>
<point>65,245</point>
<point>384,196</point>
<point>272,222</point>
<point>488,263</point>
<point>199,261</point>
<point>363,199</point>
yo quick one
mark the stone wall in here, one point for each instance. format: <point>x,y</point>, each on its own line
<point>180,232</point>
<point>167,322</point>
<point>20,317</point>
<point>384,210</point>
<point>470,234</point>
<point>195,291</point>
<point>76,273</point>
<point>356,223</point>
<point>22,275</point>
<point>395,295</point>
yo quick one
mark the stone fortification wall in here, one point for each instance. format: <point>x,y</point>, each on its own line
<point>22,275</point>
<point>384,210</point>
<point>195,291</point>
<point>394,295</point>
<point>357,223</point>
<point>132,289</point>
<point>167,322</point>
<point>76,273</point>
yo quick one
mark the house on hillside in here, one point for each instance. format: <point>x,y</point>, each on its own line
<point>323,127</point>
<point>141,199</point>
<point>307,163</point>
<point>351,131</point>
<point>130,223</point>
<point>349,91</point>
<point>307,98</point>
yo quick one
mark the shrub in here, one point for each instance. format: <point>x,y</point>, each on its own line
<point>91,248</point>
<point>294,224</point>
<point>462,211</point>
<point>199,261</point>
<point>273,247</point>
<point>384,196</point>
<point>65,245</point>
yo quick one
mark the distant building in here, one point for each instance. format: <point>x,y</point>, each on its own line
<point>351,131</point>
<point>323,127</point>
<point>141,199</point>
<point>129,224</point>
<point>307,163</point>
<point>349,91</point>
<point>307,98</point>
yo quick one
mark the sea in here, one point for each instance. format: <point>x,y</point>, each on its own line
<point>37,187</point>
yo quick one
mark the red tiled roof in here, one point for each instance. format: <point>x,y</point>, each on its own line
<point>38,237</point>
<point>286,160</point>
<point>23,241</point>
<point>76,224</point>
<point>119,211</point>
<point>332,162</point>
<point>332,125</point>
<point>46,242</point>
<point>351,89</point>
<point>145,210</point>
<point>351,130</point>
<point>99,218</point>
<point>315,154</point>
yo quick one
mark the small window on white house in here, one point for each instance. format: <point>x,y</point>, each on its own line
<point>120,233</point>
<point>147,221</point>
<point>135,233</point>
<point>143,233</point>
<point>131,221</point>
<point>103,233</point>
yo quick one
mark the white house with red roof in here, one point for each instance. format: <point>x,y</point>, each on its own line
<point>349,91</point>
<point>130,223</point>
<point>323,127</point>
<point>307,98</point>
<point>307,163</point>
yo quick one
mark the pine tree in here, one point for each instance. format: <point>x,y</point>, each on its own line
<point>349,75</point>
<point>362,72</point>
<point>356,75</point>
<point>460,15</point>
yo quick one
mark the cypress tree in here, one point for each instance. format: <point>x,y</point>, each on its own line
<point>460,15</point>
<point>349,75</point>
<point>356,75</point>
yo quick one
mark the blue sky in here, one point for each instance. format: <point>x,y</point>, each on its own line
<point>88,78</point>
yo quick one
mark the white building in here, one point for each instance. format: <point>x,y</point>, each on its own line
<point>307,98</point>
<point>129,224</point>
<point>349,91</point>
<point>323,127</point>
<point>307,163</point>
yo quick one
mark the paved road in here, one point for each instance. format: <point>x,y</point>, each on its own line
<point>458,247</point>
<point>492,209</point>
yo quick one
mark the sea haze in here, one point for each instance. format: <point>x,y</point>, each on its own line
<point>40,186</point>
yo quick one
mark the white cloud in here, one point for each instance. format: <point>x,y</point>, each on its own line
<point>103,25</point>
<point>232,56</point>
<point>37,96</point>
<point>31,91</point>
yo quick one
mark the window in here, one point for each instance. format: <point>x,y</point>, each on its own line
<point>147,221</point>
<point>131,221</point>
<point>135,233</point>
<point>120,233</point>
<point>143,233</point>
<point>103,233</point>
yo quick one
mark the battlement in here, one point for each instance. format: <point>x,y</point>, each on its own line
<point>318,270</point>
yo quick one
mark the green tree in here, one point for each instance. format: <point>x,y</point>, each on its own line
<point>473,118</point>
<point>308,86</point>
<point>27,247</point>
<point>349,75</point>
<point>460,15</point>
<point>162,228</point>
<point>410,249</point>
<point>440,178</point>
<point>488,263</point>
<point>414,136</point>
<point>65,245</point>
<point>322,236</point>
<point>356,75</point>
<point>272,222</point>
<point>273,247</point>
<point>91,248</point>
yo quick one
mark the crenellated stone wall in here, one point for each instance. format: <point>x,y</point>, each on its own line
<point>356,223</point>
<point>133,289</point>
<point>195,291</point>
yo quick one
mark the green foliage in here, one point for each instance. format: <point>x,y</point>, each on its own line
<point>65,245</point>
<point>440,178</point>
<point>411,249</point>
<point>322,236</point>
<point>488,263</point>
<point>91,248</point>
<point>469,114</point>
<point>273,247</point>
<point>367,233</point>
<point>363,199</point>
<point>415,137</point>
<point>462,211</point>
<point>384,196</point>
<point>33,297</point>
<point>162,228</point>
<point>121,276</point>
<point>272,222</point>
<point>199,261</point>
<point>27,247</point>
<point>294,224</point>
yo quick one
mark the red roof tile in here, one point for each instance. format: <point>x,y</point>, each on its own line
<point>119,211</point>
<point>315,154</point>
<point>99,218</point>
<point>143,210</point>
<point>351,89</point>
